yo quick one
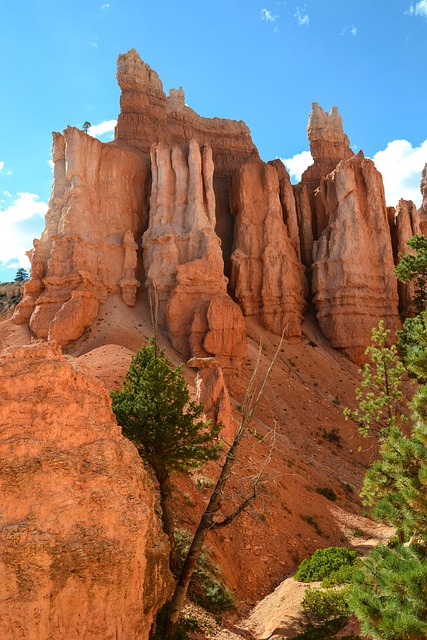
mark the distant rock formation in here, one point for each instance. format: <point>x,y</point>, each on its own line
<point>183,259</point>
<point>87,251</point>
<point>406,225</point>
<point>354,284</point>
<point>423,209</point>
<point>267,277</point>
<point>82,553</point>
<point>183,206</point>
<point>328,146</point>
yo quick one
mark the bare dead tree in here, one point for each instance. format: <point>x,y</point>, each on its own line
<point>209,519</point>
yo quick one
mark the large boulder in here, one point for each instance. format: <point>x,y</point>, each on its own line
<point>82,552</point>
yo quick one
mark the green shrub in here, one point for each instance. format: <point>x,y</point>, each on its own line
<point>323,632</point>
<point>341,576</point>
<point>206,587</point>
<point>323,562</point>
<point>323,605</point>
<point>327,492</point>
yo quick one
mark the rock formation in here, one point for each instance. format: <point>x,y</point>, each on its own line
<point>353,270</point>
<point>267,277</point>
<point>87,251</point>
<point>328,146</point>
<point>183,259</point>
<point>212,220</point>
<point>147,116</point>
<point>82,553</point>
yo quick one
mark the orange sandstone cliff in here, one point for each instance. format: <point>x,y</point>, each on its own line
<point>82,553</point>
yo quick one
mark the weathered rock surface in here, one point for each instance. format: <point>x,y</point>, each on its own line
<point>267,276</point>
<point>328,145</point>
<point>87,251</point>
<point>353,276</point>
<point>183,258</point>
<point>82,553</point>
<point>147,116</point>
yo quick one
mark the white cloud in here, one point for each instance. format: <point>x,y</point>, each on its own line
<point>104,7</point>
<point>1,165</point>
<point>401,165</point>
<point>268,16</point>
<point>302,16</point>
<point>94,45</point>
<point>103,127</point>
<point>420,9</point>
<point>20,222</point>
<point>298,164</point>
<point>352,30</point>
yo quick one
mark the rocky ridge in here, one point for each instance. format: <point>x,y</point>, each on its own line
<point>182,204</point>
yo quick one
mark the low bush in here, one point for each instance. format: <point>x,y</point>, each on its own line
<point>323,562</point>
<point>341,576</point>
<point>323,605</point>
<point>327,492</point>
<point>206,587</point>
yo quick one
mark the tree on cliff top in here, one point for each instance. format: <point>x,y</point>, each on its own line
<point>21,275</point>
<point>156,414</point>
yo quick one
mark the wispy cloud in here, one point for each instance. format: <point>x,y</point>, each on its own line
<point>104,7</point>
<point>302,16</point>
<point>298,164</point>
<point>350,29</point>
<point>103,127</point>
<point>21,220</point>
<point>268,16</point>
<point>419,9</point>
<point>401,165</point>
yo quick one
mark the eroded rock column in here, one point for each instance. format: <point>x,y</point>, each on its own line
<point>183,259</point>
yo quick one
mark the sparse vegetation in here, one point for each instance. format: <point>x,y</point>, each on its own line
<point>207,587</point>
<point>324,562</point>
<point>327,492</point>
<point>322,605</point>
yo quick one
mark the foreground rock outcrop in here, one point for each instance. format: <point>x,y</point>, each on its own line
<point>82,553</point>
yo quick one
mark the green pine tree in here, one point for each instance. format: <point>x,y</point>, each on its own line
<point>389,591</point>
<point>155,412</point>
<point>414,267</point>
<point>381,395</point>
<point>21,275</point>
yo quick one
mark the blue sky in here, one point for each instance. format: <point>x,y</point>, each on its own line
<point>261,61</point>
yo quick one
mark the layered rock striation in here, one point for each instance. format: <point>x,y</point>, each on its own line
<point>353,270</point>
<point>183,259</point>
<point>82,553</point>
<point>267,277</point>
<point>88,250</point>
